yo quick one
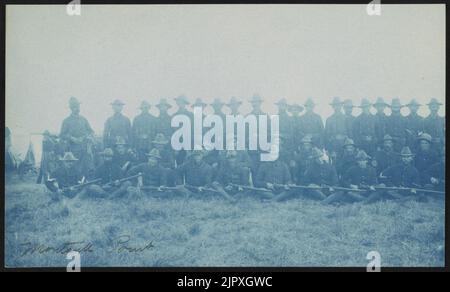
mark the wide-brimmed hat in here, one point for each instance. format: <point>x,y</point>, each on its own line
<point>163,102</point>
<point>365,103</point>
<point>349,142</point>
<point>406,152</point>
<point>181,99</point>
<point>154,153</point>
<point>68,156</point>
<point>425,137</point>
<point>233,101</point>
<point>282,101</point>
<point>73,101</point>
<point>434,101</point>
<point>309,102</point>
<point>256,99</point>
<point>296,107</point>
<point>107,152</point>
<point>380,101</point>
<point>388,137</point>
<point>362,155</point>
<point>120,141</point>
<point>336,101</point>
<point>199,102</point>
<point>413,102</point>
<point>217,102</point>
<point>396,103</point>
<point>117,102</point>
<point>306,139</point>
<point>144,105</point>
<point>348,103</point>
<point>160,139</point>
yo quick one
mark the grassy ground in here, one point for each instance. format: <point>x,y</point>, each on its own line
<point>212,232</point>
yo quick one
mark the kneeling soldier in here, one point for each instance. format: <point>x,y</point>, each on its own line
<point>361,177</point>
<point>65,179</point>
<point>153,174</point>
<point>111,175</point>
<point>275,176</point>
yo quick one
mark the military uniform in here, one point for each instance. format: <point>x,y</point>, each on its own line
<point>396,126</point>
<point>273,175</point>
<point>349,118</point>
<point>434,176</point>
<point>424,158</point>
<point>435,125</point>
<point>364,130</point>
<point>313,125</point>
<point>144,131</point>
<point>163,121</point>
<point>295,121</point>
<point>380,120</point>
<point>414,125</point>
<point>347,159</point>
<point>68,176</point>
<point>117,126</point>
<point>335,129</point>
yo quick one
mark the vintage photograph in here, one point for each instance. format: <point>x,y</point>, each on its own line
<point>293,135</point>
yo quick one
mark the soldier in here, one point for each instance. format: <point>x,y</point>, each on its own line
<point>67,176</point>
<point>167,158</point>
<point>435,124</point>
<point>117,125</point>
<point>297,135</point>
<point>386,156</point>
<point>123,155</point>
<point>380,120</point>
<point>256,103</point>
<point>197,174</point>
<point>335,130</point>
<point>285,130</point>
<point>349,118</point>
<point>348,157</point>
<point>320,174</point>
<point>434,176</point>
<point>302,159</point>
<point>76,133</point>
<point>231,176</point>
<point>396,125</point>
<point>51,150</point>
<point>425,155</point>
<point>182,103</point>
<point>153,174</point>
<point>364,128</point>
<point>312,123</point>
<point>399,175</point>
<point>110,173</point>
<point>143,129</point>
<point>217,106</point>
<point>414,124</point>
<point>275,176</point>
<point>163,121</point>
<point>358,177</point>
<point>234,105</point>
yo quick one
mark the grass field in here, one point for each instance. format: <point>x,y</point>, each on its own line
<point>212,232</point>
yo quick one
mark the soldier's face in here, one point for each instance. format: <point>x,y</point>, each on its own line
<point>434,108</point>
<point>234,108</point>
<point>75,109</point>
<point>348,110</point>
<point>337,108</point>
<point>197,159</point>
<point>388,145</point>
<point>413,108</point>
<point>152,161</point>
<point>282,108</point>
<point>349,149</point>
<point>163,108</point>
<point>307,146</point>
<point>380,108</point>
<point>396,109</point>
<point>69,164</point>
<point>424,145</point>
<point>107,158</point>
<point>407,159</point>
<point>121,149</point>
<point>256,105</point>
<point>217,108</point>
<point>362,163</point>
<point>366,109</point>
<point>117,108</point>
<point>145,109</point>
<point>181,105</point>
<point>232,160</point>
<point>309,108</point>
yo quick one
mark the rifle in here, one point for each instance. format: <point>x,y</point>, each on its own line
<point>321,188</point>
<point>251,188</point>
<point>204,189</point>
<point>119,181</point>
<point>159,189</point>
<point>409,189</point>
<point>81,185</point>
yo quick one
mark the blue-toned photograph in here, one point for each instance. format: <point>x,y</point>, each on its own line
<point>225,136</point>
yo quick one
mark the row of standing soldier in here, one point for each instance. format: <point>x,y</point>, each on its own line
<point>364,152</point>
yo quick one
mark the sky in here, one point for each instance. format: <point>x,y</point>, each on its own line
<point>146,52</point>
